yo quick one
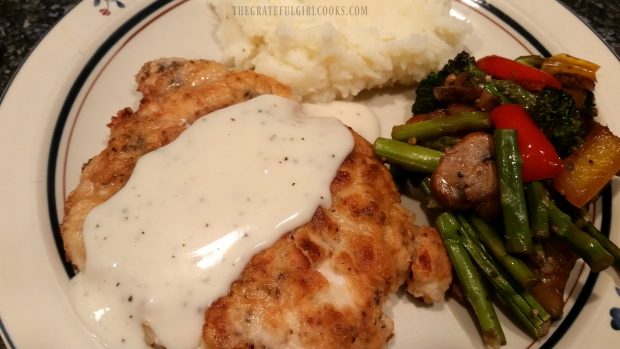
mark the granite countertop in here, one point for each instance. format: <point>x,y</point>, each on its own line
<point>24,23</point>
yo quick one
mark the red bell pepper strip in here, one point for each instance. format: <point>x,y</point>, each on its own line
<point>540,160</point>
<point>528,77</point>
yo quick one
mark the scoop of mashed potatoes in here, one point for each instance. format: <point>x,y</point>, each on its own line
<point>327,50</point>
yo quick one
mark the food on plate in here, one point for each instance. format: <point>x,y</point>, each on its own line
<point>508,156</point>
<point>176,93</point>
<point>588,169</point>
<point>466,177</point>
<point>323,285</point>
<point>135,225</point>
<point>323,57</point>
<point>431,270</point>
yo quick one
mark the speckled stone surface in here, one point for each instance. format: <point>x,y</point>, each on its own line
<point>24,23</point>
<point>603,16</point>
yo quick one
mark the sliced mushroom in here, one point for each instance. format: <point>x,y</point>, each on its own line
<point>457,94</point>
<point>487,101</point>
<point>467,177</point>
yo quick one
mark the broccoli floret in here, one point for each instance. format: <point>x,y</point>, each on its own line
<point>515,93</point>
<point>557,116</point>
<point>460,63</point>
<point>425,101</point>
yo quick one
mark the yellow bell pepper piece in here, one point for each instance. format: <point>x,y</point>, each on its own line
<point>566,64</point>
<point>588,169</point>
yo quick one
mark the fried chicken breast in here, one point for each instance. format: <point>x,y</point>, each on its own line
<point>175,93</point>
<point>321,285</point>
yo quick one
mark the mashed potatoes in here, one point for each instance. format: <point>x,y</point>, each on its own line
<point>326,50</point>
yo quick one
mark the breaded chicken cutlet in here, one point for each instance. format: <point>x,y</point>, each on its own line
<point>175,93</point>
<point>322,285</point>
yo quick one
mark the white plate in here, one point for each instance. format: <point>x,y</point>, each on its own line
<point>53,118</point>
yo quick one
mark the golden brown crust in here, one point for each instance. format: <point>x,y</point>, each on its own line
<point>175,93</point>
<point>431,270</point>
<point>322,285</point>
<point>284,299</point>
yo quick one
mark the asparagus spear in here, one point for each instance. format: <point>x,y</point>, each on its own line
<point>535,331</point>
<point>495,275</point>
<point>584,222</point>
<point>468,275</point>
<point>515,93</point>
<point>411,157</point>
<point>514,266</point>
<point>509,163</point>
<point>480,78</point>
<point>583,244</point>
<point>538,209</point>
<point>440,143</point>
<point>538,252</point>
<point>423,130</point>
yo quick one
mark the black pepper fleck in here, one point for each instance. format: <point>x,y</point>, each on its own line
<point>130,299</point>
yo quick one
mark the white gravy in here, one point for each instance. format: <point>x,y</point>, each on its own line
<point>194,212</point>
<point>358,116</point>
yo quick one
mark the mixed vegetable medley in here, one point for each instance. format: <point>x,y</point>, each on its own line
<point>508,155</point>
